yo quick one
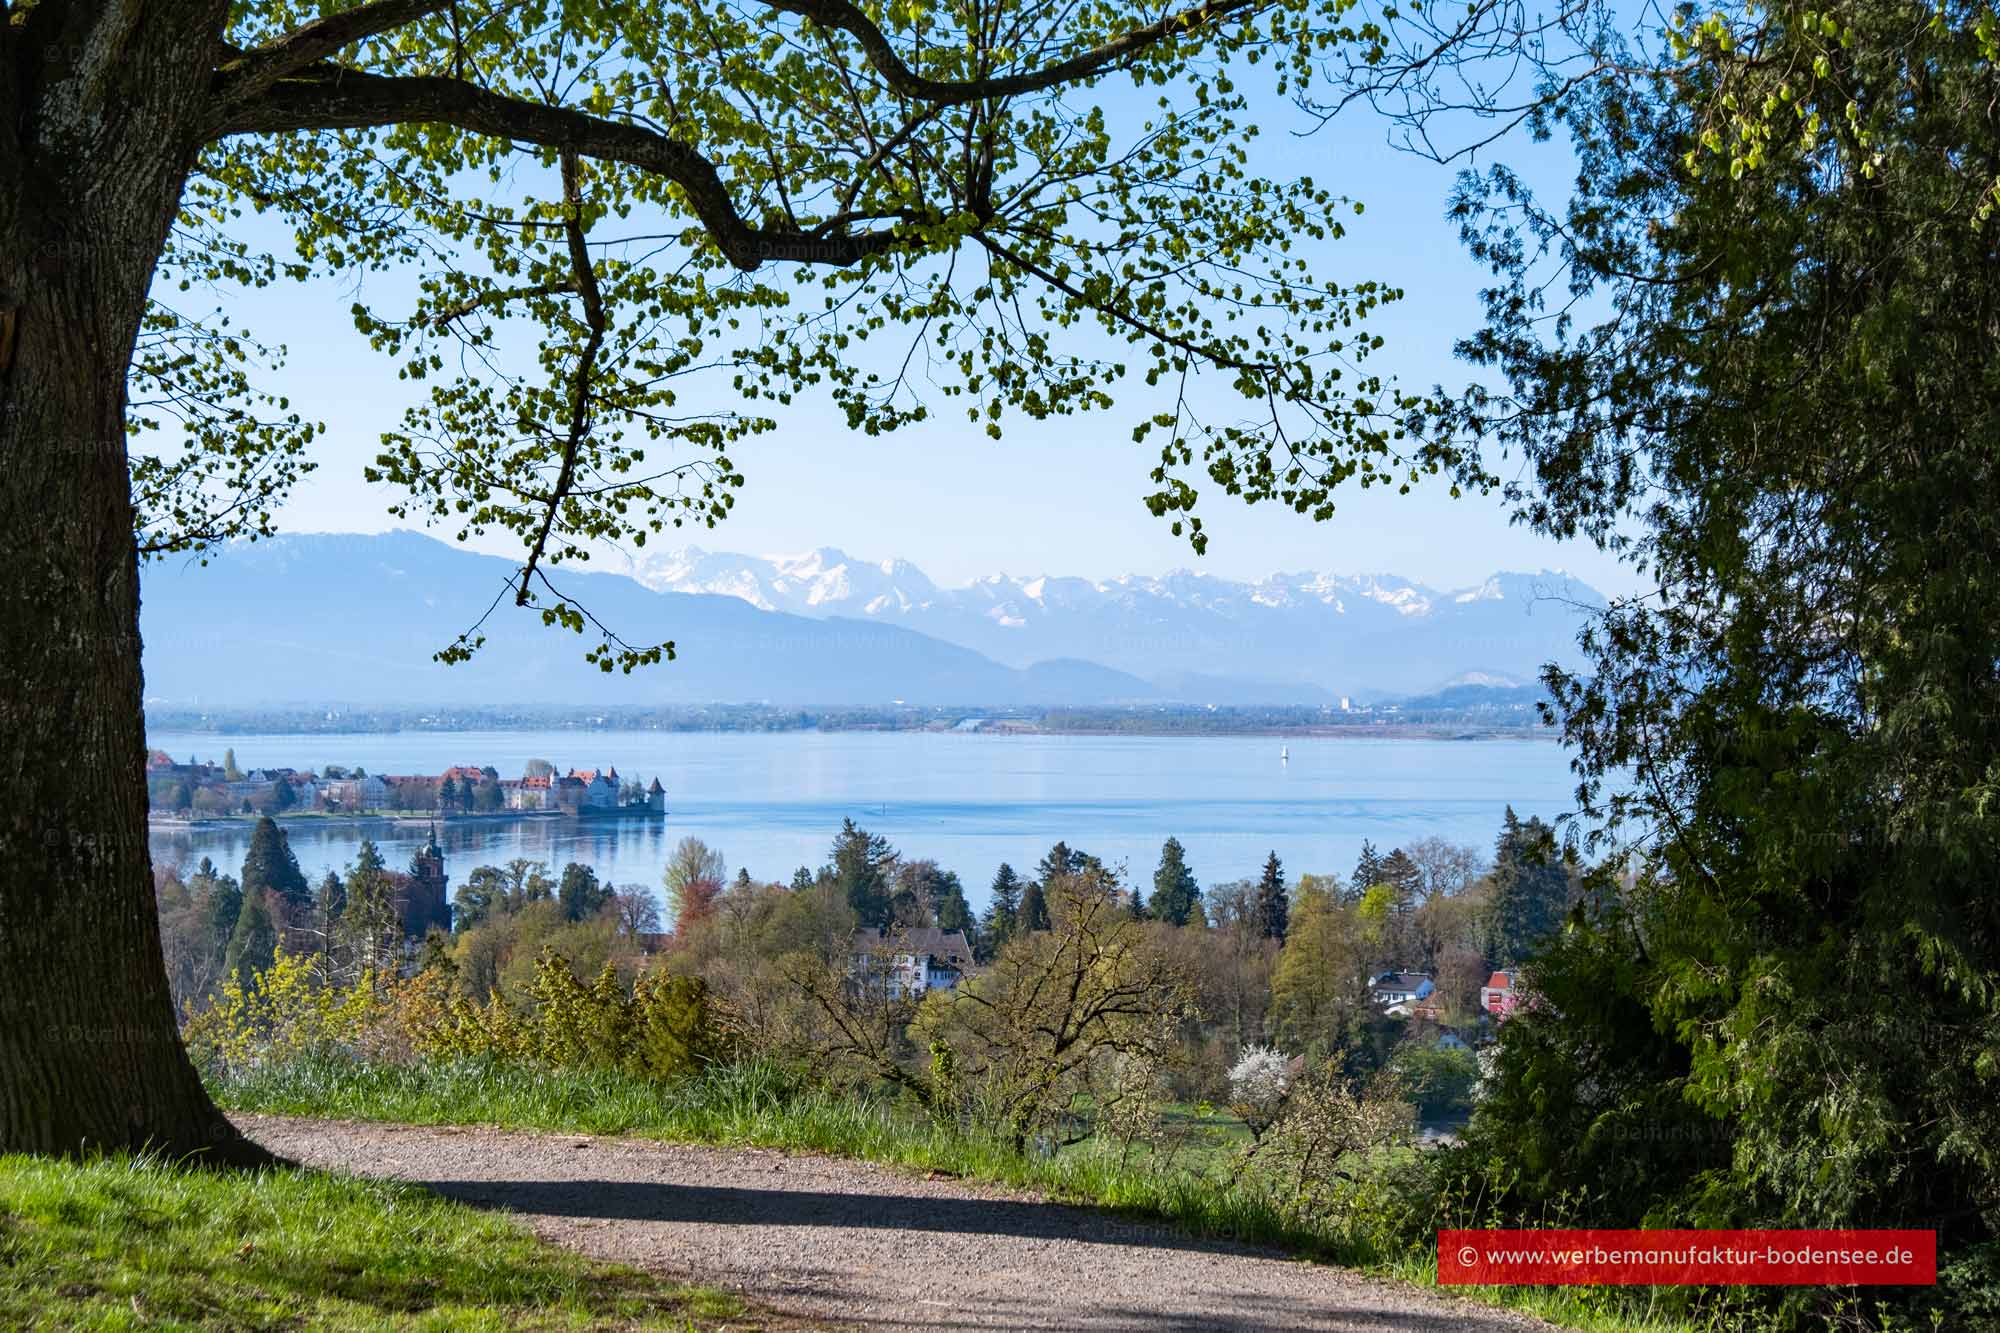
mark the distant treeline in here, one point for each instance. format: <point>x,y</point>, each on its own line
<point>1479,708</point>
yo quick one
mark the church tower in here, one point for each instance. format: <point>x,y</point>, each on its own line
<point>427,905</point>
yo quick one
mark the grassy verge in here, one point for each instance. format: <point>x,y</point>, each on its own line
<point>755,1105</point>
<point>124,1243</point>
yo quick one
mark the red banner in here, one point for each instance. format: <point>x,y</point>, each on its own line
<point>1687,1258</point>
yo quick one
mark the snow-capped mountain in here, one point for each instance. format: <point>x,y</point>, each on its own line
<point>1361,635</point>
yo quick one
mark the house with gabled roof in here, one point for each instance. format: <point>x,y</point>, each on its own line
<point>911,960</point>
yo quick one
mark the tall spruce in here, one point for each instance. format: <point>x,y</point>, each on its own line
<point>862,862</point>
<point>1532,889</point>
<point>1367,872</point>
<point>1273,905</point>
<point>1176,895</point>
<point>1003,908</point>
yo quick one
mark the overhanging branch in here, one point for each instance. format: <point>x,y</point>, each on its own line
<point>882,56</point>
<point>332,98</point>
<point>257,69</point>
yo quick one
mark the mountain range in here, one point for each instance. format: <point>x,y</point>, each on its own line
<point>354,619</point>
<point>1294,638</point>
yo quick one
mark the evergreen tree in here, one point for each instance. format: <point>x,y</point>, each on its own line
<point>253,944</point>
<point>950,909</point>
<point>580,894</point>
<point>221,900</point>
<point>1403,876</point>
<point>1531,889</point>
<point>1367,872</point>
<point>447,795</point>
<point>1060,863</point>
<point>328,904</point>
<point>1034,913</point>
<point>1273,909</point>
<point>269,865</point>
<point>743,880</point>
<point>861,866</point>
<point>802,879</point>
<point>1175,893</point>
<point>1002,911</point>
<point>230,772</point>
<point>369,935</point>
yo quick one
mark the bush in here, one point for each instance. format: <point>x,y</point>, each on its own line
<point>1258,1084</point>
<point>666,1027</point>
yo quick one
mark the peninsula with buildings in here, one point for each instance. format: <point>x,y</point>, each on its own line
<point>200,791</point>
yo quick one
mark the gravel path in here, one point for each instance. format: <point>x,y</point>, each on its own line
<point>849,1243</point>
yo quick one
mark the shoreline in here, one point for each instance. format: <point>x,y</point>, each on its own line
<point>324,819</point>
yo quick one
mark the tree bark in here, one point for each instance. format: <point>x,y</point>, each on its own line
<point>103,105</point>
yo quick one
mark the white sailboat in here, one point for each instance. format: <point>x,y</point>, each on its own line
<point>1284,754</point>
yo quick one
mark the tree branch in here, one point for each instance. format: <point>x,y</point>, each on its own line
<point>586,362</point>
<point>330,98</point>
<point>882,56</point>
<point>257,69</point>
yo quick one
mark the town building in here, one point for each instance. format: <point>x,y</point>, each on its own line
<point>911,961</point>
<point>1500,995</point>
<point>364,793</point>
<point>1400,991</point>
<point>420,898</point>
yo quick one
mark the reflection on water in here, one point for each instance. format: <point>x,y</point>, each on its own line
<point>773,802</point>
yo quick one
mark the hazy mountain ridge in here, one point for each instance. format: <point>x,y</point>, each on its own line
<point>356,618</point>
<point>1314,634</point>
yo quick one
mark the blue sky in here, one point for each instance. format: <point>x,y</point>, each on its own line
<point>1058,497</point>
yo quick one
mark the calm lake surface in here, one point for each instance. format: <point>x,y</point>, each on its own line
<point>772,802</point>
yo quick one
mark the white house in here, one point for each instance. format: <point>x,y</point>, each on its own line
<point>1392,989</point>
<point>367,793</point>
<point>911,961</point>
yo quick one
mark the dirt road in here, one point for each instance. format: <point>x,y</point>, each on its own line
<point>851,1243</point>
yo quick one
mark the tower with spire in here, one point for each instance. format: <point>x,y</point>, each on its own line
<point>427,904</point>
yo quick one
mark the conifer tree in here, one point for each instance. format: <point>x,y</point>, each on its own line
<point>1273,909</point>
<point>1002,911</point>
<point>1034,913</point>
<point>861,865</point>
<point>1175,893</point>
<point>253,945</point>
<point>1367,872</point>
<point>369,936</point>
<point>1532,887</point>
<point>270,867</point>
<point>949,907</point>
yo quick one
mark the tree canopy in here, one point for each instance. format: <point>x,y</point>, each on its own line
<point>643,230</point>
<point>1755,352</point>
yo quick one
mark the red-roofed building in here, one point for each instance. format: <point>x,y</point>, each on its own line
<point>1500,995</point>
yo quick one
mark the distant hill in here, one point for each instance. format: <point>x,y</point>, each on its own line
<point>1293,638</point>
<point>355,619</point>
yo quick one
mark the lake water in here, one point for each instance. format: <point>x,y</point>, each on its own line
<point>772,802</point>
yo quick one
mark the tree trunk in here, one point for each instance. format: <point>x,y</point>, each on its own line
<point>103,107</point>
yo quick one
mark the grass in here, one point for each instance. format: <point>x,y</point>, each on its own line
<point>132,1242</point>
<point>758,1105</point>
